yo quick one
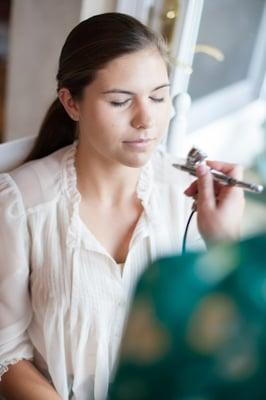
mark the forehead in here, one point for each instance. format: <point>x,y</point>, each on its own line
<point>142,69</point>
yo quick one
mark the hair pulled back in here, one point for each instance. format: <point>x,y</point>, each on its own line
<point>89,46</point>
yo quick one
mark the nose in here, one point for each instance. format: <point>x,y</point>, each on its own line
<point>142,118</point>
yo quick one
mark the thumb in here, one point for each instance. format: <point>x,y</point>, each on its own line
<point>206,195</point>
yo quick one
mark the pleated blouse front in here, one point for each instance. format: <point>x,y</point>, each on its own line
<point>63,299</point>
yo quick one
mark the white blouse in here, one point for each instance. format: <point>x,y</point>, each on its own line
<point>63,298</point>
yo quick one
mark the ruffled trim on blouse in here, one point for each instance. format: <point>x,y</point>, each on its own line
<point>143,191</point>
<point>73,237</point>
<point>145,184</point>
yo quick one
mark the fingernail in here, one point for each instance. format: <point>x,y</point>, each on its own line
<point>202,169</point>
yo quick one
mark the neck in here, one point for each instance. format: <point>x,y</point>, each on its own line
<point>104,181</point>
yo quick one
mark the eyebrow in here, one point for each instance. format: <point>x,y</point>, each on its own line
<point>132,93</point>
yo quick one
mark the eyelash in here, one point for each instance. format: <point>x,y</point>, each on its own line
<point>123,103</point>
<point>119,104</point>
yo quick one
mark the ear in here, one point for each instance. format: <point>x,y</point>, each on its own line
<point>69,104</point>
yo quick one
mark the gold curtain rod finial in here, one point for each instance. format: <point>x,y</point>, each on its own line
<point>171,14</point>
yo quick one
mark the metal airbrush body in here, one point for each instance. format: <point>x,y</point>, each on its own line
<point>196,156</point>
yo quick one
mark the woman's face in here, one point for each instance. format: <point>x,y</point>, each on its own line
<point>125,111</point>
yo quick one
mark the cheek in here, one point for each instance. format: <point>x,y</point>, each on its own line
<point>110,122</point>
<point>100,118</point>
<point>163,115</point>
<point>109,116</point>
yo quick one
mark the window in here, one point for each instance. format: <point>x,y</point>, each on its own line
<point>231,74</point>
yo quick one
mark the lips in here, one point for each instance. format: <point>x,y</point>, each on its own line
<point>138,140</point>
<point>139,145</point>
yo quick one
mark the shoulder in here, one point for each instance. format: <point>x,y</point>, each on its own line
<point>10,198</point>
<point>40,180</point>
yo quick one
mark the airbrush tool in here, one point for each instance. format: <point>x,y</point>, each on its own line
<point>196,156</point>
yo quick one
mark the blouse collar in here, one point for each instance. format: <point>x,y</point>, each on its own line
<point>144,185</point>
<point>143,190</point>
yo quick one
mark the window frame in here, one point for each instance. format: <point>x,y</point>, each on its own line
<point>238,95</point>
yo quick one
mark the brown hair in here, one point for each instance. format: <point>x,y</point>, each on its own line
<point>89,46</point>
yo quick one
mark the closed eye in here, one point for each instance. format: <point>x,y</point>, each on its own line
<point>119,103</point>
<point>157,100</point>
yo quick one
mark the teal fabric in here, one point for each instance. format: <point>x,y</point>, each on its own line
<point>197,328</point>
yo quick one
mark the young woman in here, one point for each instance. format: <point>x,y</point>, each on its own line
<point>95,205</point>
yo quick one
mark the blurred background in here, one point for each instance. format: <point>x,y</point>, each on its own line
<point>218,50</point>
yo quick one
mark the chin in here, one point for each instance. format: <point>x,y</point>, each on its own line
<point>137,161</point>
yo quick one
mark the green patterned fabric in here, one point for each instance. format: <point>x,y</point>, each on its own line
<point>197,328</point>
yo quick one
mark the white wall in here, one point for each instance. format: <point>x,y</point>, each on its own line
<point>90,8</point>
<point>37,32</point>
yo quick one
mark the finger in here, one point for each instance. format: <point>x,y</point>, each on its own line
<point>230,194</point>
<point>234,170</point>
<point>224,192</point>
<point>206,195</point>
<point>192,190</point>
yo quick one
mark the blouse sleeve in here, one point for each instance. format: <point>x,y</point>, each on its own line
<point>15,305</point>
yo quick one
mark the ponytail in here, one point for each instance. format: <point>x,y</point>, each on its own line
<point>57,130</point>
